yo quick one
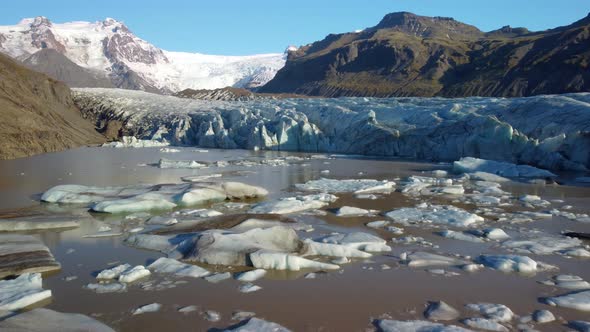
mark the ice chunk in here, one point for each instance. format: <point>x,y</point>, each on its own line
<point>358,240</point>
<point>159,220</point>
<point>133,274</point>
<point>45,320</point>
<point>139,203</point>
<point>22,292</point>
<point>102,288</point>
<point>258,325</point>
<point>133,142</point>
<point>113,272</point>
<point>543,316</point>
<point>218,277</point>
<point>542,244</point>
<point>485,324</point>
<point>470,164</point>
<point>169,150</point>
<point>484,176</point>
<point>495,234</point>
<point>422,259</point>
<point>579,325</point>
<point>495,312</point>
<point>212,316</point>
<point>434,214</point>
<point>331,249</point>
<point>576,300</point>
<point>440,310</point>
<point>250,276</point>
<point>387,325</point>
<point>350,211</point>
<point>294,204</point>
<point>509,263</point>
<point>153,307</point>
<point>463,236</point>
<point>168,265</point>
<point>167,163</point>
<point>248,288</point>
<point>283,261</point>
<point>567,282</point>
<point>357,186</point>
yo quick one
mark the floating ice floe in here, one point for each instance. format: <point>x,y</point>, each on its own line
<point>190,164</point>
<point>217,277</point>
<point>358,240</point>
<point>484,324</point>
<point>579,325</point>
<point>434,214</point>
<point>174,246</point>
<point>509,263</point>
<point>387,325</point>
<point>484,176</point>
<point>440,310</point>
<point>142,198</point>
<point>34,223</point>
<point>133,142</point>
<point>258,325</point>
<point>153,307</point>
<point>567,282</point>
<point>159,220</point>
<point>283,261</point>
<point>579,300</point>
<point>134,274</point>
<point>470,164</point>
<point>492,311</point>
<point>200,178</point>
<point>248,288</point>
<point>113,272</point>
<point>424,259</point>
<point>250,276</point>
<point>102,288</point>
<point>294,204</point>
<point>385,224</point>
<point>169,150</point>
<point>172,266</point>
<point>423,185</point>
<point>543,316</point>
<point>356,186</point>
<point>25,290</point>
<point>45,320</point>
<point>542,244</point>
<point>351,211</point>
<point>212,316</point>
<point>463,236</point>
<point>188,309</point>
<point>24,254</point>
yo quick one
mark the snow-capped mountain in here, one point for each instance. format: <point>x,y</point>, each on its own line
<point>110,49</point>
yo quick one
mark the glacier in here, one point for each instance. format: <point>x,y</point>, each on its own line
<point>551,131</point>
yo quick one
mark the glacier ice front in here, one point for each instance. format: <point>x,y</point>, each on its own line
<point>544,131</point>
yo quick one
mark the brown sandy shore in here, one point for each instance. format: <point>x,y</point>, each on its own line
<point>349,299</point>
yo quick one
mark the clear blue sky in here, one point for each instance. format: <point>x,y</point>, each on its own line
<point>265,26</point>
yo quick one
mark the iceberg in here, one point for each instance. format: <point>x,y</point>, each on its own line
<point>492,311</point>
<point>251,275</point>
<point>509,263</point>
<point>577,300</point>
<point>356,186</point>
<point>294,204</point>
<point>387,325</point>
<point>24,254</point>
<point>441,311</point>
<point>169,265</point>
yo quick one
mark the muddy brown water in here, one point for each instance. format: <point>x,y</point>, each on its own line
<point>345,300</point>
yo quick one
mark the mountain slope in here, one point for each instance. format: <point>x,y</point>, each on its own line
<point>56,65</point>
<point>111,49</point>
<point>37,114</point>
<point>410,55</point>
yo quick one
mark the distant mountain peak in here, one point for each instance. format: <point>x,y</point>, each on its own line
<point>426,26</point>
<point>40,21</point>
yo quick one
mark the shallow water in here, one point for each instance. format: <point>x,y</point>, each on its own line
<point>345,300</point>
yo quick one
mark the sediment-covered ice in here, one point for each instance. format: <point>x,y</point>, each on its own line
<point>387,325</point>
<point>45,320</point>
<point>35,223</point>
<point>545,131</point>
<point>470,164</point>
<point>21,292</point>
<point>24,254</point>
<point>434,214</point>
